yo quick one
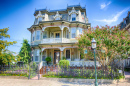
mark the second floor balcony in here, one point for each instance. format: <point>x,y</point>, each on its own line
<point>54,35</point>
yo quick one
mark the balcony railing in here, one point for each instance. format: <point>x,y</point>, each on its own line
<point>58,40</point>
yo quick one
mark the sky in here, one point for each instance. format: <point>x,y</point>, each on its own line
<point>18,14</point>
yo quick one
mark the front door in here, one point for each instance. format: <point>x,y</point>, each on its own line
<point>67,54</point>
<point>56,56</point>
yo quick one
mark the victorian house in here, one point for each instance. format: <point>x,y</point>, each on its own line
<point>125,24</point>
<point>54,33</point>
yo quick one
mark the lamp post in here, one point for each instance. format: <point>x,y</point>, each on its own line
<point>93,42</point>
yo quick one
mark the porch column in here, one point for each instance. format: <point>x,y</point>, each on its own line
<point>52,55</point>
<point>41,56</point>
<point>61,35</point>
<point>61,55</point>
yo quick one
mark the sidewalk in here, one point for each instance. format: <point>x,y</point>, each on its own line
<point>36,77</point>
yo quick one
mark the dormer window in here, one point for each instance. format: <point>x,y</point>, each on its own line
<point>39,17</point>
<point>57,16</point>
<point>73,16</point>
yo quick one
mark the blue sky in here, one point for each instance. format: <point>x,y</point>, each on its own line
<point>18,14</point>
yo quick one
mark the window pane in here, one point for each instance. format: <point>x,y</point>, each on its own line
<point>44,34</point>
<point>36,20</point>
<point>38,52</point>
<point>57,18</point>
<point>73,19</point>
<point>33,35</point>
<point>73,32</point>
<point>44,56</point>
<point>36,58</point>
<point>57,35</point>
<point>40,18</point>
<point>73,16</point>
<point>80,31</point>
<point>38,35</point>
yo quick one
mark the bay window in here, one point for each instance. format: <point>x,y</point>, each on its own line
<point>38,35</point>
<point>73,32</point>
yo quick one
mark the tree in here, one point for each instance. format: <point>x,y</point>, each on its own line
<point>115,43</point>
<point>25,52</point>
<point>4,57</point>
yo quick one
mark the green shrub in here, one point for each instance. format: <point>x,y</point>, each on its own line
<point>48,59</point>
<point>64,58</point>
<point>64,63</point>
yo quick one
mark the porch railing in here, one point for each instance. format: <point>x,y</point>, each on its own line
<point>58,40</point>
<point>85,63</point>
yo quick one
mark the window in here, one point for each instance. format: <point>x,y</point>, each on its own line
<point>73,32</point>
<point>82,13</point>
<point>33,36</point>
<point>58,18</point>
<point>36,58</point>
<point>57,35</point>
<point>44,56</point>
<point>36,20</point>
<point>38,35</point>
<point>40,18</point>
<point>73,16</point>
<point>80,31</point>
<point>44,34</point>
<point>37,55</point>
<point>67,33</point>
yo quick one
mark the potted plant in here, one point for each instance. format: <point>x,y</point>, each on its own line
<point>48,59</point>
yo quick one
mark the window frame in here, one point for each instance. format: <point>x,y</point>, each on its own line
<point>73,16</point>
<point>44,54</point>
<point>73,32</point>
<point>43,34</point>
<point>39,35</point>
<point>37,52</point>
<point>33,36</point>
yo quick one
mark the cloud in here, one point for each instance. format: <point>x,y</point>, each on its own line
<point>115,18</point>
<point>105,5</point>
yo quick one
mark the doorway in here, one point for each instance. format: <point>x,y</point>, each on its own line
<point>56,56</point>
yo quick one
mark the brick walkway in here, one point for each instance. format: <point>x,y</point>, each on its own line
<point>26,82</point>
<point>36,77</point>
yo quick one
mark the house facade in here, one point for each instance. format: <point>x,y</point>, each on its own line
<point>125,24</point>
<point>54,33</point>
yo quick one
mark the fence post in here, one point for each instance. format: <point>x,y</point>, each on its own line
<point>123,69</point>
<point>38,73</point>
<point>111,72</point>
<point>29,72</point>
